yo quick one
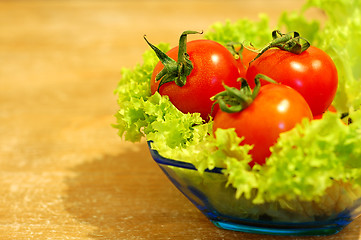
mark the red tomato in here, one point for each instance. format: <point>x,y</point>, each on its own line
<point>312,73</point>
<point>213,65</point>
<point>276,109</point>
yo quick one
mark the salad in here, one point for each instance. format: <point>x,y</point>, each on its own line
<point>316,163</point>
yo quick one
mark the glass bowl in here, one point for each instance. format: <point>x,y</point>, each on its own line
<point>211,195</point>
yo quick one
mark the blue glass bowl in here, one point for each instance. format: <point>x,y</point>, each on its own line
<point>211,195</point>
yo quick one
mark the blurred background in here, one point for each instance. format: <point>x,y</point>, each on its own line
<point>60,62</point>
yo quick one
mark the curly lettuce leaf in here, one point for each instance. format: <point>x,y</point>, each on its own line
<point>321,151</point>
<point>242,31</point>
<point>212,151</point>
<point>170,128</point>
<point>132,91</point>
<point>324,151</point>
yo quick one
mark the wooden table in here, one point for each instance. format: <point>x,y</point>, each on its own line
<point>64,172</point>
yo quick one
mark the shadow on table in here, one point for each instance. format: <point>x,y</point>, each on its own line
<point>107,193</point>
<point>128,197</point>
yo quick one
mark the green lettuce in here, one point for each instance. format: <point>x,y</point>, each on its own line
<point>339,37</point>
<point>242,31</point>
<point>324,151</point>
<point>132,91</point>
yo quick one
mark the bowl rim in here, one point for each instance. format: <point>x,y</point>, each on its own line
<point>176,163</point>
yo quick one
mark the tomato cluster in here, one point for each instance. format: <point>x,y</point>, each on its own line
<point>260,94</point>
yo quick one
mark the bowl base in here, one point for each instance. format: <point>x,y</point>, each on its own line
<point>286,231</point>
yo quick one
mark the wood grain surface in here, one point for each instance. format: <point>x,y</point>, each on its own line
<point>64,172</point>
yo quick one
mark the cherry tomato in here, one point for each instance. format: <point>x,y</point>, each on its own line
<point>213,64</point>
<point>277,108</point>
<point>312,73</point>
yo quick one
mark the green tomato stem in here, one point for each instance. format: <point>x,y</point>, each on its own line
<point>176,71</point>
<point>291,42</point>
<point>234,100</point>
